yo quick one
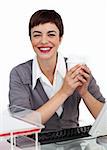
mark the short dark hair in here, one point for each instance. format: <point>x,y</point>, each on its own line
<point>44,16</point>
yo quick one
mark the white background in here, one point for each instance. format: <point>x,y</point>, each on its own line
<point>85,23</point>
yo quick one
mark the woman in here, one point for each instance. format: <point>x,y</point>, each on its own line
<point>45,85</point>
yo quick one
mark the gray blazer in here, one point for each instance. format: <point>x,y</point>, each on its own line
<point>22,94</point>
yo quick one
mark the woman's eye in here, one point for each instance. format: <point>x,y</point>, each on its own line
<point>51,35</point>
<point>36,35</point>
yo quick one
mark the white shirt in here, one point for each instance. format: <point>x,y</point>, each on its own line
<point>58,78</point>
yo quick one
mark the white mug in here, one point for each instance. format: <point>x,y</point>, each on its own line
<point>74,60</point>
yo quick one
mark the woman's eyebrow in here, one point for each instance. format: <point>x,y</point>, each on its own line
<point>36,32</point>
<point>52,31</point>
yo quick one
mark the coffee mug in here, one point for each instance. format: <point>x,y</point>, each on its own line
<point>74,60</point>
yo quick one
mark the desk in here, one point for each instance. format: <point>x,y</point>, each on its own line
<point>6,146</point>
<point>88,143</point>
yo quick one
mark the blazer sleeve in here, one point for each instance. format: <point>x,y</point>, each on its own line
<point>18,93</point>
<point>95,90</point>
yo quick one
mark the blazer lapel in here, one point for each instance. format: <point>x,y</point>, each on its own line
<point>41,92</point>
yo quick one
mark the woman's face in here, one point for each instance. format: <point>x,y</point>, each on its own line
<point>45,40</point>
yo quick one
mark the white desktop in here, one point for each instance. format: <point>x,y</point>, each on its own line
<point>99,128</point>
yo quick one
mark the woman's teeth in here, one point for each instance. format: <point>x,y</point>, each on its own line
<point>45,49</point>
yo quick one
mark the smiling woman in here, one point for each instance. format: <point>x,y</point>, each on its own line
<point>45,84</point>
<point>45,40</point>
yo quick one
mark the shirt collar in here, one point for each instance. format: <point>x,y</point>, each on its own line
<point>61,66</point>
<point>36,72</point>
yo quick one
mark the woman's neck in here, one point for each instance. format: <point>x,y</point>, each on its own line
<point>48,68</point>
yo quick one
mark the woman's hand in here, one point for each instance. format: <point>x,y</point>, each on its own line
<point>84,78</point>
<point>72,80</point>
<point>77,77</point>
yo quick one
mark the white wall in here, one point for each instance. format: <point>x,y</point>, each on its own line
<point>85,23</point>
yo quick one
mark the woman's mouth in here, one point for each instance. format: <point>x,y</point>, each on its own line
<point>45,49</point>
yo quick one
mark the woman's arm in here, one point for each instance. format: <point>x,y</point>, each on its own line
<point>90,92</point>
<point>93,104</point>
<point>69,85</point>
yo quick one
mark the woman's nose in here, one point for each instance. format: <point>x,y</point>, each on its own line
<point>44,39</point>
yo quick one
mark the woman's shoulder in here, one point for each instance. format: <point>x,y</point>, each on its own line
<point>24,65</point>
<point>23,69</point>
